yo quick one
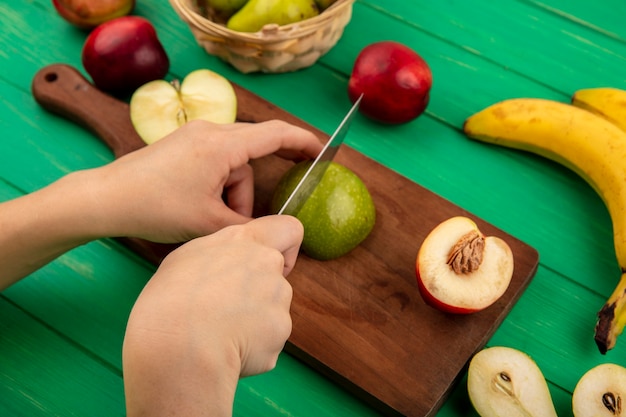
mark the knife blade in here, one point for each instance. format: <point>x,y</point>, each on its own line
<point>316,171</point>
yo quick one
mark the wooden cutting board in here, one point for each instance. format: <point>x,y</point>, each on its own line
<point>358,319</point>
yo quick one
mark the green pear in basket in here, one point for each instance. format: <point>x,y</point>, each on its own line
<point>257,13</point>
<point>324,4</point>
<point>221,9</point>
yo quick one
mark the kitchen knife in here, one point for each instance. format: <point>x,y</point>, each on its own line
<point>316,171</point>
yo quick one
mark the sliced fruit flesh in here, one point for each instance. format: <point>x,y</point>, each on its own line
<point>156,110</point>
<point>504,381</point>
<point>470,290</point>
<point>600,392</point>
<point>208,96</point>
<point>158,107</point>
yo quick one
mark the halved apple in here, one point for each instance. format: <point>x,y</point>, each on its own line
<point>159,107</point>
<point>459,270</point>
<point>506,382</point>
<point>600,392</point>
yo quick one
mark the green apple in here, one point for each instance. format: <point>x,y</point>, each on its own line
<point>159,107</point>
<point>339,214</point>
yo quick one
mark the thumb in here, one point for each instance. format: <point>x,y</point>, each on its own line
<point>282,232</point>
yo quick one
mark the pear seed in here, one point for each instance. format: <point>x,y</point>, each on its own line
<point>613,404</point>
<point>502,382</point>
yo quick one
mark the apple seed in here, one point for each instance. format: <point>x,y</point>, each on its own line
<point>181,115</point>
<point>614,405</point>
<point>467,254</point>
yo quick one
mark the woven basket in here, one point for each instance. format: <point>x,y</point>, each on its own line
<point>274,48</point>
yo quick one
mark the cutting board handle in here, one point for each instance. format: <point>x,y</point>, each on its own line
<point>62,89</point>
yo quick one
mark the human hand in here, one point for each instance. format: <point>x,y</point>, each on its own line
<point>217,309</point>
<point>172,190</point>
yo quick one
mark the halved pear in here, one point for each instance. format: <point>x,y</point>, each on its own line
<point>160,107</point>
<point>505,382</point>
<point>601,392</point>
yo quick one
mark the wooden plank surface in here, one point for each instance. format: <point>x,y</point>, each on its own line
<point>480,52</point>
<point>29,369</point>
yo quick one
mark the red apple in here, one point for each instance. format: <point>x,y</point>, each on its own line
<point>123,54</point>
<point>459,270</point>
<point>87,14</point>
<point>394,80</point>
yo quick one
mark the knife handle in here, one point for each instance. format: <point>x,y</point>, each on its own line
<point>61,89</point>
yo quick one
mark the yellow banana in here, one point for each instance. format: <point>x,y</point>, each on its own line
<point>588,144</point>
<point>609,103</point>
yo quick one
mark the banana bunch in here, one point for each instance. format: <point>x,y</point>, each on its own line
<point>589,137</point>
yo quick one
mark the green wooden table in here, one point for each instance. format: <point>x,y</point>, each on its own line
<point>61,329</point>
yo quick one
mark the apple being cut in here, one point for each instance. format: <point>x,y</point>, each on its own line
<point>601,392</point>
<point>394,80</point>
<point>459,270</point>
<point>87,14</point>
<point>158,108</point>
<point>124,53</point>
<point>506,382</point>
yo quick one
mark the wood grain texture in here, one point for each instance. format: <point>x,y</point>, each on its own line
<point>358,319</point>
